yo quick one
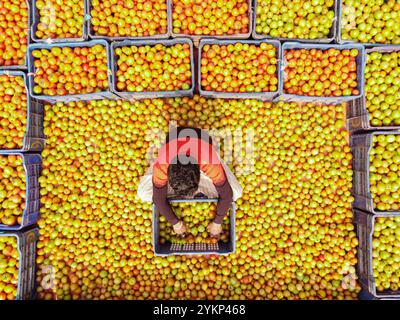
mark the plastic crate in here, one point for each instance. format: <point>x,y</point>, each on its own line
<point>196,38</point>
<point>361,145</point>
<point>358,114</point>
<point>239,95</point>
<point>24,66</point>
<point>339,31</point>
<point>157,36</point>
<point>69,98</point>
<point>331,36</point>
<point>33,166</point>
<point>365,223</point>
<point>167,249</point>
<point>36,20</point>
<point>360,60</point>
<point>150,94</point>
<point>358,117</point>
<point>34,139</point>
<point>26,242</point>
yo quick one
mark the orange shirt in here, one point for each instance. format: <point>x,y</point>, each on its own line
<point>198,149</point>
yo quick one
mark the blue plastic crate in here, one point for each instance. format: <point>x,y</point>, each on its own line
<point>358,115</point>
<point>26,242</point>
<point>150,94</point>
<point>34,139</point>
<point>69,98</point>
<point>365,224</point>
<point>338,37</point>
<point>267,96</point>
<point>33,165</point>
<point>197,38</point>
<point>35,16</point>
<point>220,248</point>
<point>110,39</point>
<point>24,66</point>
<point>361,145</point>
<point>332,34</point>
<point>360,60</point>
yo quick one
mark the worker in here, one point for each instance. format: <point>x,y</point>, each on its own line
<point>188,166</point>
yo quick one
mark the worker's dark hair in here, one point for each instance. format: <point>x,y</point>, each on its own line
<point>184,177</point>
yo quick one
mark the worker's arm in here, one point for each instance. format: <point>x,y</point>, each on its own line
<point>225,201</point>
<point>212,167</point>
<point>162,204</point>
<point>160,191</point>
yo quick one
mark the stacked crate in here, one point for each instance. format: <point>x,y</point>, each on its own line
<point>20,153</point>
<point>23,244</point>
<point>20,165</point>
<point>95,30</point>
<point>366,213</point>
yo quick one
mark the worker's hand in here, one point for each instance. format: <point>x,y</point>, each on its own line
<point>214,229</point>
<point>179,228</point>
